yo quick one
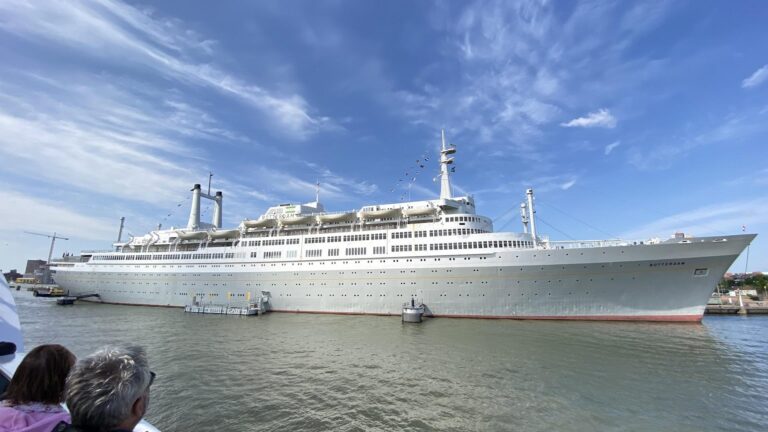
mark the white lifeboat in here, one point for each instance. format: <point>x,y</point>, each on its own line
<point>419,211</point>
<point>260,223</point>
<point>296,220</point>
<point>223,234</point>
<point>192,235</point>
<point>337,217</point>
<point>380,213</point>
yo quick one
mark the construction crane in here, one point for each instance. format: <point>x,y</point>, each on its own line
<point>53,241</point>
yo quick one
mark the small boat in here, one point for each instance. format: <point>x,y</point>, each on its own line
<point>419,211</point>
<point>337,217</point>
<point>224,234</point>
<point>49,292</point>
<point>380,213</point>
<point>260,223</point>
<point>412,312</point>
<point>192,235</point>
<point>297,220</point>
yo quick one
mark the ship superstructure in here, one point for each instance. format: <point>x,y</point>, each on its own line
<point>372,260</point>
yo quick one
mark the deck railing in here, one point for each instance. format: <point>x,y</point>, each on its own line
<point>579,244</point>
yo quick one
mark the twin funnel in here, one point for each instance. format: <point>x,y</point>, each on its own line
<point>194,212</point>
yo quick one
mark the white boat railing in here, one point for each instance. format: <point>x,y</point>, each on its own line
<point>581,244</point>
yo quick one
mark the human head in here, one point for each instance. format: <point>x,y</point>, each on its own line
<point>109,389</point>
<point>41,376</point>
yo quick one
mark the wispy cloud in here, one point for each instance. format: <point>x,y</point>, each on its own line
<point>22,212</point>
<point>567,185</point>
<point>601,118</point>
<point>610,147</point>
<point>338,182</point>
<point>757,78</point>
<point>730,130</point>
<point>282,185</point>
<point>113,31</point>
<point>99,139</point>
<point>726,217</point>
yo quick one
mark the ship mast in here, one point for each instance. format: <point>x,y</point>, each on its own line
<point>445,160</point>
<point>531,215</point>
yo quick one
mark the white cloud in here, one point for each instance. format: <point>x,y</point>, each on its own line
<point>99,139</point>
<point>757,78</point>
<point>719,218</point>
<point>600,118</point>
<point>567,185</point>
<point>731,130</point>
<point>129,37</point>
<point>609,148</point>
<point>21,212</point>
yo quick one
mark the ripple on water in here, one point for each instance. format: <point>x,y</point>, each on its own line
<point>315,372</point>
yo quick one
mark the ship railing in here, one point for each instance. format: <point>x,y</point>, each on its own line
<point>92,251</point>
<point>68,259</point>
<point>579,244</point>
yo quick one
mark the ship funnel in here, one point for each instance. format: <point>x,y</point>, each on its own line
<point>218,201</point>
<point>194,212</point>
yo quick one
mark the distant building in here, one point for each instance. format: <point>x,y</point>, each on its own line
<point>38,269</point>
<point>34,266</point>
<point>12,275</point>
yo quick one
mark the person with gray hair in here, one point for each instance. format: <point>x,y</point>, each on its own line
<point>109,390</point>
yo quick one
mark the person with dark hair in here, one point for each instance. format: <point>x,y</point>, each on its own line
<point>32,402</point>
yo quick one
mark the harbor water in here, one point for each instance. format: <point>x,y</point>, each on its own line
<point>291,372</point>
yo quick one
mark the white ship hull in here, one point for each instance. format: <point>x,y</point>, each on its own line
<point>438,252</point>
<point>670,281</point>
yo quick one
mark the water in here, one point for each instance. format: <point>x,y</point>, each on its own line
<point>288,372</point>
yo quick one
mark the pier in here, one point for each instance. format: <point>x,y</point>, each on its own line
<point>728,309</point>
<point>257,307</point>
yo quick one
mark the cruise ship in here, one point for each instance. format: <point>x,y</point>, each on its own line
<point>439,252</point>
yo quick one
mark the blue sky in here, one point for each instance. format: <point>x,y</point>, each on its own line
<point>629,119</point>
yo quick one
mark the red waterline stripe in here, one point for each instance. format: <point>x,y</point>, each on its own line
<point>658,318</point>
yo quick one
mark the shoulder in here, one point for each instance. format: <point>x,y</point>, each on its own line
<point>39,408</point>
<point>13,419</point>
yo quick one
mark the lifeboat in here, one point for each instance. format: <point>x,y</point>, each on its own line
<point>420,211</point>
<point>337,217</point>
<point>260,223</point>
<point>296,220</point>
<point>380,214</point>
<point>224,234</point>
<point>192,235</point>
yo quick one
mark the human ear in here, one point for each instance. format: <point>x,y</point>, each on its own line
<point>139,407</point>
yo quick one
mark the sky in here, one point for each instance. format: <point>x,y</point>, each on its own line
<point>629,120</point>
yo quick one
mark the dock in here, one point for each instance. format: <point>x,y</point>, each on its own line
<point>728,309</point>
<point>257,307</point>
